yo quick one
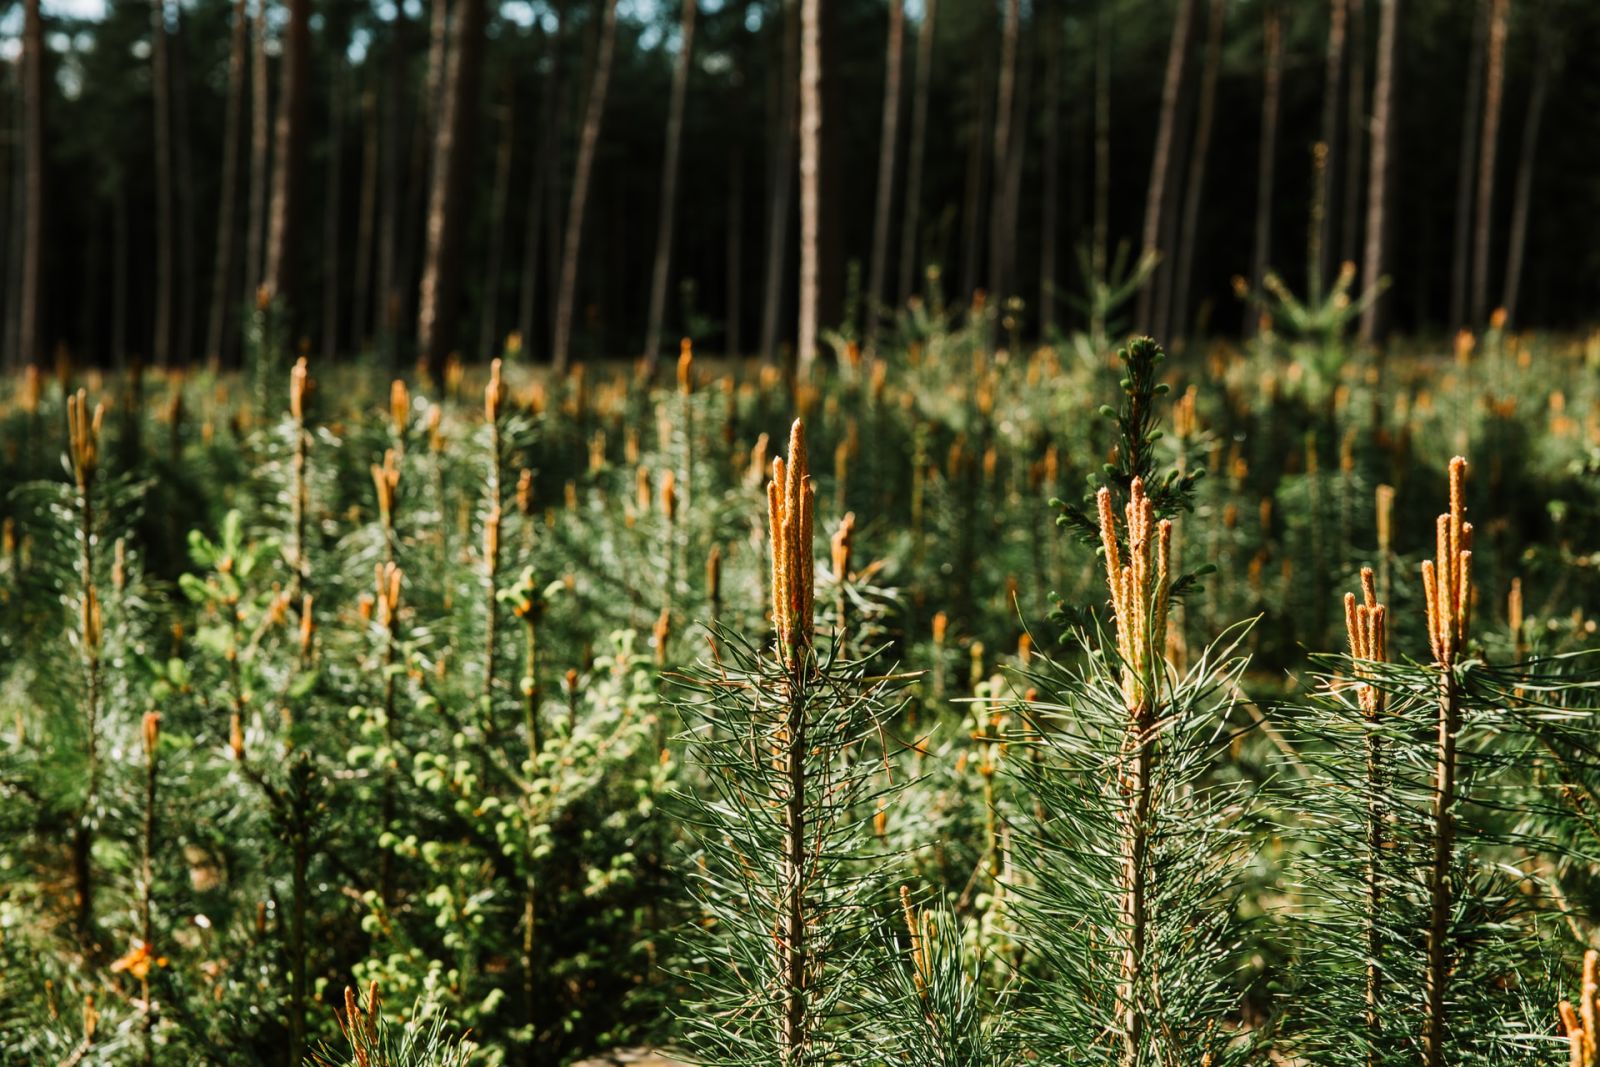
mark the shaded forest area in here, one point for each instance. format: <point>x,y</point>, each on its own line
<point>429,177</point>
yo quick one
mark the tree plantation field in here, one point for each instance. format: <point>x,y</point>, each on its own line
<point>1014,705</point>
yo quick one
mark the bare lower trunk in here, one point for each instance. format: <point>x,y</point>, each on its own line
<point>331,211</point>
<point>1004,121</point>
<point>1488,143</point>
<point>888,143</point>
<point>366,223</point>
<point>1461,259</point>
<point>386,288</point>
<point>583,172</point>
<point>260,153</point>
<point>1524,188</point>
<point>1377,238</point>
<point>810,177</point>
<point>218,344</point>
<point>1161,161</point>
<point>973,195</point>
<point>1267,164</point>
<point>667,213</point>
<point>183,191</point>
<point>548,145</point>
<point>160,93</point>
<point>500,199</point>
<point>29,342</point>
<point>1005,268</point>
<point>1195,183</point>
<point>1050,180</point>
<point>1332,75</point>
<point>283,223</point>
<point>782,180</point>
<point>1355,136</point>
<point>1100,248</point>
<point>910,237</point>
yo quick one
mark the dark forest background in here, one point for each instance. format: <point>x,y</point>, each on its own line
<point>375,124</point>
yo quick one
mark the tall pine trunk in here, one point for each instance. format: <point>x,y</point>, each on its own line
<point>260,153</point>
<point>1195,182</point>
<point>1004,121</point>
<point>1523,194</point>
<point>810,177</point>
<point>218,336</point>
<point>366,223</point>
<point>781,180</point>
<point>160,94</point>
<point>1050,178</point>
<point>1488,143</point>
<point>283,223</point>
<point>187,277</point>
<point>499,202</point>
<point>1266,167</point>
<point>1355,118</point>
<point>547,144</point>
<point>911,225</point>
<point>1377,237</point>
<point>582,175</point>
<point>439,296</point>
<point>388,296</point>
<point>1471,103</point>
<point>666,215</point>
<point>332,203</point>
<point>1161,160</point>
<point>978,146</point>
<point>733,316</point>
<point>1101,240</point>
<point>1332,78</point>
<point>30,344</point>
<point>888,144</point>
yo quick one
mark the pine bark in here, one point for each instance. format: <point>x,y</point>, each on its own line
<point>366,223</point>
<point>1004,121</point>
<point>218,336</point>
<point>1488,144</point>
<point>499,201</point>
<point>439,296</point>
<point>1523,195</point>
<point>888,144</point>
<point>160,93</point>
<point>332,202</point>
<point>283,224</point>
<point>810,177</point>
<point>911,225</point>
<point>1272,83</point>
<point>1050,178</point>
<point>781,180</point>
<point>1377,236</point>
<point>1332,80</point>
<point>1195,183</point>
<point>388,296</point>
<point>187,276</point>
<point>666,215</point>
<point>29,340</point>
<point>260,153</point>
<point>1471,104</point>
<point>1099,251</point>
<point>583,172</point>
<point>547,144</point>
<point>1161,161</point>
<point>1355,157</point>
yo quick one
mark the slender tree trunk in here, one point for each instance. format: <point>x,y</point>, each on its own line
<point>782,179</point>
<point>331,209</point>
<point>1161,161</point>
<point>424,162</point>
<point>260,154</point>
<point>1488,144</point>
<point>1011,191</point>
<point>1461,259</point>
<point>666,215</point>
<point>1377,238</point>
<point>1050,178</point>
<point>547,147</point>
<point>888,144</point>
<point>1100,249</point>
<point>11,210</point>
<point>366,223</point>
<point>1331,86</point>
<point>1161,282</point>
<point>974,194</point>
<point>120,253</point>
<point>30,343</point>
<point>388,296</point>
<point>735,252</point>
<point>1195,183</point>
<point>1355,136</point>
<point>160,91</point>
<point>1004,121</point>
<point>910,226</point>
<point>1523,195</point>
<point>583,172</point>
<point>218,342</point>
<point>439,296</point>
<point>810,177</point>
<point>500,199</point>
<point>1267,164</point>
<point>283,224</point>
<point>183,190</point>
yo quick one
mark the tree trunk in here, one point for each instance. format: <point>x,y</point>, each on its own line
<point>1379,172</point>
<point>548,144</point>
<point>500,199</point>
<point>30,343</point>
<point>785,132</point>
<point>973,195</point>
<point>183,190</point>
<point>910,237</point>
<point>439,295</point>
<point>1050,179</point>
<point>388,289</point>
<point>1461,259</point>
<point>583,170</point>
<point>218,337</point>
<point>1011,191</point>
<point>1488,143</point>
<point>1004,120</point>
<point>1267,164</point>
<point>160,92</point>
<point>1100,249</point>
<point>1195,183</point>
<point>1523,194</point>
<point>260,154</point>
<point>1355,136</point>
<point>331,204</point>
<point>284,215</point>
<point>1161,161</point>
<point>810,177</point>
<point>366,223</point>
<point>888,144</point>
<point>1331,79</point>
<point>120,253</point>
<point>666,216</point>
<point>735,251</point>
